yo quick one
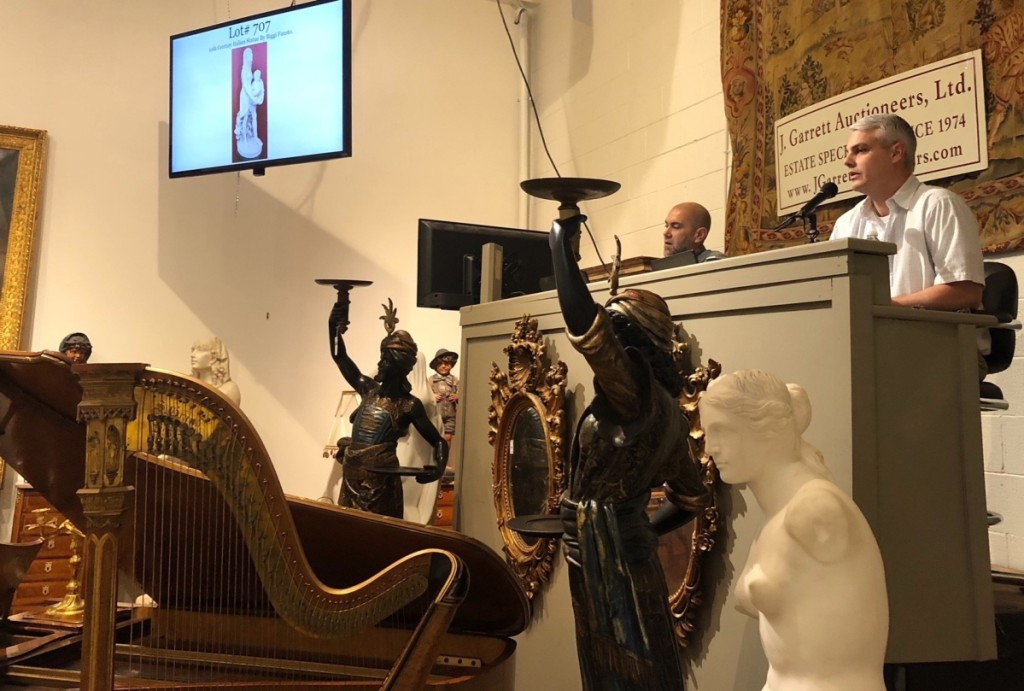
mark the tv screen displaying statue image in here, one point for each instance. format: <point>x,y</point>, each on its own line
<point>266,90</point>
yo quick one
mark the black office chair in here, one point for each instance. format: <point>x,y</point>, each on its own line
<point>1000,300</point>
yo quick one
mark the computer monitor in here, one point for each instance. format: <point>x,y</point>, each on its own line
<point>684,258</point>
<point>450,259</point>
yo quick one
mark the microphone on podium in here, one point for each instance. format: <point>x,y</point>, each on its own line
<point>828,190</point>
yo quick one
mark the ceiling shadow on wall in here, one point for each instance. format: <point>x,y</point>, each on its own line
<point>244,263</point>
<point>648,97</point>
<point>581,45</point>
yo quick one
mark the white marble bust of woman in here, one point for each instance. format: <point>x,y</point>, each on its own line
<point>814,576</point>
<point>210,365</point>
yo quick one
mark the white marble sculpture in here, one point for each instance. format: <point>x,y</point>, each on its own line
<point>250,94</point>
<point>814,576</point>
<point>210,365</point>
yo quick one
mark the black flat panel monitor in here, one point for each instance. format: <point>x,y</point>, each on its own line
<point>266,90</point>
<point>450,260</point>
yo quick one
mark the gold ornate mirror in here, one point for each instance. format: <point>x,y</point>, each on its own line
<point>682,551</point>
<point>22,161</point>
<point>527,419</point>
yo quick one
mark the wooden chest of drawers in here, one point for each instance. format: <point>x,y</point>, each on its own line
<point>444,513</point>
<point>47,578</point>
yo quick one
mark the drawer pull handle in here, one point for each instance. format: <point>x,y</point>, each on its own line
<point>46,590</point>
<point>48,567</point>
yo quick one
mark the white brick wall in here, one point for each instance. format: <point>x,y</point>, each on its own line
<point>631,91</point>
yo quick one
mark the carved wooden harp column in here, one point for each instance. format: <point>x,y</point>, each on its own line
<point>108,403</point>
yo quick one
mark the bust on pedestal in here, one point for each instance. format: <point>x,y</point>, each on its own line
<point>210,365</point>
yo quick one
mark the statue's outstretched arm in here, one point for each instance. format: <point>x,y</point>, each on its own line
<point>348,368</point>
<point>578,308</point>
<point>589,325</point>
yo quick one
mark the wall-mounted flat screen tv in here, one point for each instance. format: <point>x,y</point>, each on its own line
<point>266,90</point>
<point>450,258</point>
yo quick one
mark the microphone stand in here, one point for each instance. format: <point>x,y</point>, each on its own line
<point>787,221</point>
<point>809,217</point>
<point>812,232</point>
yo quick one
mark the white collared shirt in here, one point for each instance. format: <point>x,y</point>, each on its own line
<point>935,233</point>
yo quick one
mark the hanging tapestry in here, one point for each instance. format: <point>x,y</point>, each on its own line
<point>780,56</point>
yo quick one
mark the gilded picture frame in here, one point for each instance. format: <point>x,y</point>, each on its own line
<point>22,164</point>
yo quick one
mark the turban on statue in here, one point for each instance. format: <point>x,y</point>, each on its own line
<point>401,342</point>
<point>648,311</point>
<point>76,340</point>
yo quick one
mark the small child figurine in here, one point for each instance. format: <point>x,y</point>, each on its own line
<point>76,347</point>
<point>446,389</point>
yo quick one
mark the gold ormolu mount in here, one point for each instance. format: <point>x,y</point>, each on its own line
<point>72,607</point>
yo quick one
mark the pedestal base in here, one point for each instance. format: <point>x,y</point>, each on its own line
<point>250,148</point>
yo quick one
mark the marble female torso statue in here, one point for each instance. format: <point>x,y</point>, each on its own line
<point>814,576</point>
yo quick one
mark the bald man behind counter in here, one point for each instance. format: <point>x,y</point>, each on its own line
<point>686,228</point>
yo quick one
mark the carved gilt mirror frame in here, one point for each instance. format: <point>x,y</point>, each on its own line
<point>22,162</point>
<point>688,546</point>
<point>527,430</point>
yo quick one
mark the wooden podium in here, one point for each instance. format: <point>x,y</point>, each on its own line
<point>894,393</point>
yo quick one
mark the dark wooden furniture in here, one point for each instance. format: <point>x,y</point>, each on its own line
<point>47,578</point>
<point>445,510</point>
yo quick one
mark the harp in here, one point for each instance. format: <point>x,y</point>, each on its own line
<point>233,581</point>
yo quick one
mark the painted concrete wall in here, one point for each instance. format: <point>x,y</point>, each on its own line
<point>631,92</point>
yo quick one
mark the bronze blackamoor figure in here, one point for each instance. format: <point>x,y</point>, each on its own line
<point>372,479</point>
<point>631,438</point>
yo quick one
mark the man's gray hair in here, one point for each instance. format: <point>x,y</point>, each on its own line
<point>892,129</point>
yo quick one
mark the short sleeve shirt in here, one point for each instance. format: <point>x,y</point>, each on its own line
<point>935,233</point>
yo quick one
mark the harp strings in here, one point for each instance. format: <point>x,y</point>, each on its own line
<point>191,556</point>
